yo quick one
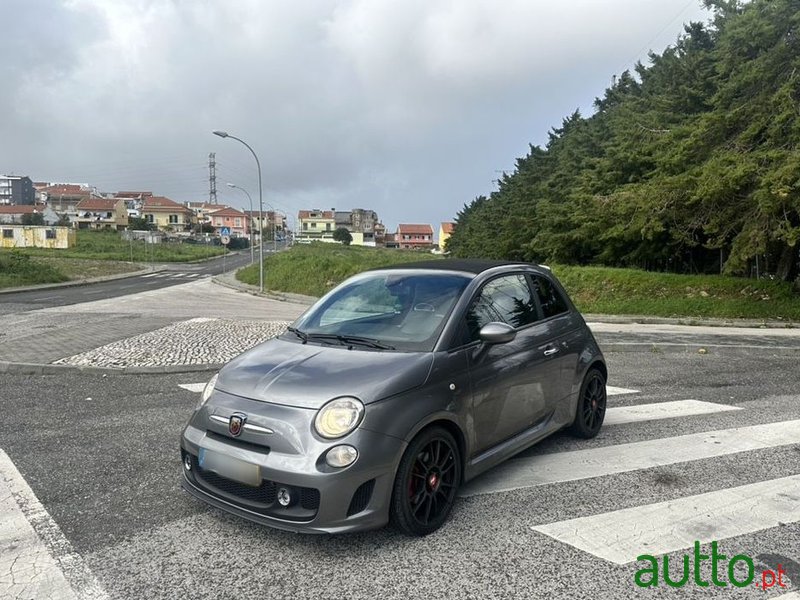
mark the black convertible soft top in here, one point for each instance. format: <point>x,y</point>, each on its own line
<point>468,265</point>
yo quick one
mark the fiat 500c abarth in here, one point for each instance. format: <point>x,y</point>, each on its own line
<point>390,392</point>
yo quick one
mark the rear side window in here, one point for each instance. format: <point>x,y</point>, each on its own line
<point>506,299</point>
<point>550,298</point>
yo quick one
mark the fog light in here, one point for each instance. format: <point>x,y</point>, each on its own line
<point>187,462</point>
<point>341,456</point>
<point>284,497</point>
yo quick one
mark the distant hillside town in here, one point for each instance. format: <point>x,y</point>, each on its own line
<point>26,202</point>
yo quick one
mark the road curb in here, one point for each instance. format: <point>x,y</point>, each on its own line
<point>230,281</point>
<point>50,369</point>
<point>79,282</point>
<point>689,321</point>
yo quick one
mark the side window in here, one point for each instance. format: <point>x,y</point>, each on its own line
<point>551,300</point>
<point>506,299</point>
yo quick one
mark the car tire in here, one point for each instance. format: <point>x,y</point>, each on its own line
<point>426,483</point>
<point>591,407</point>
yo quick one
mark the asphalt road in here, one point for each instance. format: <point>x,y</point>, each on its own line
<point>101,455</point>
<point>176,273</point>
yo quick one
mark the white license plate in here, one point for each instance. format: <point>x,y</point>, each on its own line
<point>231,468</point>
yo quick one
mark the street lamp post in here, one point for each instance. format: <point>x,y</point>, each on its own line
<point>250,200</point>
<point>225,134</point>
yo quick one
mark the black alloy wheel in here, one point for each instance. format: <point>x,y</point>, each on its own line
<point>591,409</point>
<point>426,483</point>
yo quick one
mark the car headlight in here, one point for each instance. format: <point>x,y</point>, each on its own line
<point>207,391</point>
<point>338,417</point>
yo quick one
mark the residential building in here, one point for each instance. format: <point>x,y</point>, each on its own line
<point>101,213</point>
<point>33,236</point>
<point>445,231</point>
<point>235,220</point>
<point>166,214</point>
<point>272,220</point>
<point>315,226</point>
<point>414,235</point>
<point>202,210</point>
<point>14,214</point>
<point>342,219</point>
<point>15,189</point>
<point>380,234</point>
<point>63,197</point>
<point>390,240</point>
<point>362,224</point>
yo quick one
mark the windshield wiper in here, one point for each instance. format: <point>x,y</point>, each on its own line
<point>301,334</point>
<point>350,340</point>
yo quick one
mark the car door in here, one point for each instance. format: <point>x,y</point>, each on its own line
<point>563,330</point>
<point>511,382</point>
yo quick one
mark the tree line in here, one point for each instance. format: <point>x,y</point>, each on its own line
<point>690,164</point>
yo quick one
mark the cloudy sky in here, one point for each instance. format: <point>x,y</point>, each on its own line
<point>408,107</point>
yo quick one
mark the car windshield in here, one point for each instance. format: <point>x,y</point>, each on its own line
<point>397,310</point>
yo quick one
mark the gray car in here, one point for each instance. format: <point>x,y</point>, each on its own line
<point>392,390</point>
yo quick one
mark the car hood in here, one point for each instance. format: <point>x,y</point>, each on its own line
<point>309,375</point>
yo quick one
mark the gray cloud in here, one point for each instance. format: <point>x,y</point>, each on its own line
<point>408,107</point>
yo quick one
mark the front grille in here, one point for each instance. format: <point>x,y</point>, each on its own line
<point>361,497</point>
<point>261,499</point>
<point>309,498</point>
<point>266,493</point>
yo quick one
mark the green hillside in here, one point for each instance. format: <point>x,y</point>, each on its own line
<point>690,165</point>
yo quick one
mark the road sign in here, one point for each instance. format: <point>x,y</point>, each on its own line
<point>225,239</point>
<point>225,232</point>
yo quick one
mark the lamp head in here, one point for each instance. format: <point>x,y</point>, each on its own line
<point>222,134</point>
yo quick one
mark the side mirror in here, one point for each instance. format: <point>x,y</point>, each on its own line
<point>497,333</point>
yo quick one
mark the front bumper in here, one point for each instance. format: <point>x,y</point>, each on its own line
<point>328,500</point>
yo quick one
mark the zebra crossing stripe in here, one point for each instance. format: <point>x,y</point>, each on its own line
<point>616,391</point>
<point>149,275</point>
<point>193,275</point>
<point>193,387</point>
<point>607,460</point>
<point>663,410</point>
<point>622,535</point>
<point>178,275</point>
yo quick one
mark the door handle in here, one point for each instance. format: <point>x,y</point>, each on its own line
<point>550,351</point>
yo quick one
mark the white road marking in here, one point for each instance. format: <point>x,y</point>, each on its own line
<point>596,462</point>
<point>617,391</point>
<point>193,387</point>
<point>663,410</point>
<point>622,535</point>
<point>150,275</point>
<point>194,275</point>
<point>162,275</point>
<point>50,298</point>
<point>177,275</point>
<point>36,560</point>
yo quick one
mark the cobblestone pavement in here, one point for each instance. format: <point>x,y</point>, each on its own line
<point>193,342</point>
<point>42,337</point>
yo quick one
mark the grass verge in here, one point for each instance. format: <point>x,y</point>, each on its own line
<point>313,269</point>
<point>316,268</point>
<point>108,245</point>
<point>633,292</point>
<point>18,269</point>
